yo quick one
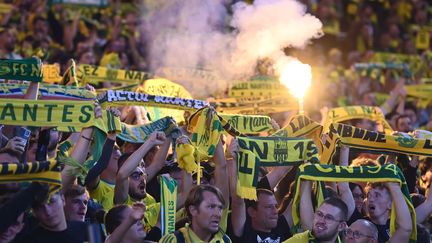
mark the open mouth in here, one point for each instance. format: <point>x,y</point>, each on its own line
<point>371,207</point>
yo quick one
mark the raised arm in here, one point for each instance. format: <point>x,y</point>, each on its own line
<point>238,207</point>
<point>135,215</point>
<point>122,183</point>
<point>424,210</point>
<point>403,216</point>
<point>306,208</point>
<point>343,187</point>
<point>220,171</point>
<point>158,160</point>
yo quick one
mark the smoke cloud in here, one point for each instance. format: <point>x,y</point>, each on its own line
<point>194,34</point>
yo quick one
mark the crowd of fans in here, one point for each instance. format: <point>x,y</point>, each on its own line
<point>118,201</point>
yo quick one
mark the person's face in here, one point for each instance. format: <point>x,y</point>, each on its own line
<point>266,212</point>
<point>208,214</point>
<point>87,58</point>
<point>358,232</point>
<point>404,124</point>
<point>137,184</point>
<point>9,234</point>
<point>9,40</point>
<point>76,207</point>
<point>327,222</point>
<point>51,214</point>
<point>136,232</point>
<point>358,198</point>
<point>378,203</point>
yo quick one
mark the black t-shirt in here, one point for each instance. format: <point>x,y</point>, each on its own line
<point>277,235</point>
<point>75,233</point>
<point>356,215</point>
<point>383,231</point>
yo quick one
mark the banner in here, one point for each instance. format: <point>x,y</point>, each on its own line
<point>257,88</point>
<point>167,88</point>
<point>122,98</point>
<point>269,151</point>
<point>332,173</point>
<point>96,74</point>
<point>256,107</point>
<point>25,69</point>
<point>168,187</point>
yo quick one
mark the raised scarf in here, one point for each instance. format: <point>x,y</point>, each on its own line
<point>340,114</point>
<point>96,74</point>
<point>248,124</point>
<point>51,73</point>
<point>122,98</point>
<point>46,172</point>
<point>333,173</point>
<point>47,92</point>
<point>168,189</point>
<point>258,88</point>
<point>70,77</point>
<point>269,151</point>
<point>258,106</point>
<point>25,69</point>
<point>140,133</point>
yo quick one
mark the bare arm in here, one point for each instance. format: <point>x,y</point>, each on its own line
<point>122,182</point>
<point>344,190</point>
<point>220,171</point>
<point>158,160</point>
<point>424,210</point>
<point>277,174</point>
<point>32,91</point>
<point>136,214</point>
<point>306,208</point>
<point>403,217</point>
<point>238,207</point>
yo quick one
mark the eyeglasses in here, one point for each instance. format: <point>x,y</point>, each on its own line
<point>327,217</point>
<point>356,234</point>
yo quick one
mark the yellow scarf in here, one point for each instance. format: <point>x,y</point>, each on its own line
<point>249,124</point>
<point>47,92</point>
<point>96,74</point>
<point>168,187</point>
<point>256,106</point>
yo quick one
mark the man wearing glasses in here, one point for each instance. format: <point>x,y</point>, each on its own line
<point>326,223</point>
<point>361,231</point>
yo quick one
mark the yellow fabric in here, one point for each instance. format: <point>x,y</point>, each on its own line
<point>95,74</point>
<point>422,40</point>
<point>299,238</point>
<point>164,87</point>
<point>181,214</point>
<point>152,210</point>
<point>103,193</point>
<point>185,158</point>
<point>340,114</point>
<point>249,124</point>
<point>191,237</point>
<point>258,88</point>
<point>256,106</point>
<point>51,73</point>
<point>168,188</point>
<point>269,151</point>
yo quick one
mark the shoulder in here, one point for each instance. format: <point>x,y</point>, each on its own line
<point>300,237</point>
<point>169,238</point>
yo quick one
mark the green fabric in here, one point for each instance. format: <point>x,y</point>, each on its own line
<point>26,69</point>
<point>140,133</point>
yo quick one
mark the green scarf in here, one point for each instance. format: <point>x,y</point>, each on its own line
<point>140,133</point>
<point>269,151</point>
<point>26,69</point>
<point>97,74</point>
<point>69,77</point>
<point>122,98</point>
<point>47,92</point>
<point>332,173</point>
<point>340,114</point>
<point>168,187</point>
<point>46,172</point>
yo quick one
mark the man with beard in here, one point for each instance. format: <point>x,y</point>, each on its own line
<point>204,207</point>
<point>131,180</point>
<point>379,204</point>
<point>327,222</point>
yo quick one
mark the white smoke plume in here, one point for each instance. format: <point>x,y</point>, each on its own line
<point>194,34</point>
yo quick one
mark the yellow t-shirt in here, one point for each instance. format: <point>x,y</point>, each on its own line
<point>152,210</point>
<point>299,238</point>
<point>104,194</point>
<point>191,237</point>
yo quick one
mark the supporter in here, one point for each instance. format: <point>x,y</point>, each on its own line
<point>124,224</point>
<point>361,231</point>
<point>76,200</point>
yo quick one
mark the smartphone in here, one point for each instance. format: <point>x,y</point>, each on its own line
<point>23,133</point>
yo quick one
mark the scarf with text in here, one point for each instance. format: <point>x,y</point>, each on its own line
<point>140,133</point>
<point>122,98</point>
<point>51,73</point>
<point>333,173</point>
<point>46,172</point>
<point>340,114</point>
<point>25,69</point>
<point>248,124</point>
<point>269,151</point>
<point>168,190</point>
<point>96,74</point>
<point>255,106</point>
<point>258,88</point>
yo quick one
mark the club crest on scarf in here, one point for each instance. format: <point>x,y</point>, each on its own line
<point>280,153</point>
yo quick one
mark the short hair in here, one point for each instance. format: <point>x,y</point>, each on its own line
<point>259,191</point>
<point>425,165</point>
<point>74,190</point>
<point>196,196</point>
<point>372,227</point>
<point>364,161</point>
<point>338,203</point>
<point>114,217</point>
<point>401,117</point>
<point>375,185</point>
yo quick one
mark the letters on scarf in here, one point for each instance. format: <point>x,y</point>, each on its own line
<point>332,173</point>
<point>96,74</point>
<point>46,172</point>
<point>340,114</point>
<point>140,133</point>
<point>248,124</point>
<point>164,87</point>
<point>121,98</point>
<point>256,106</point>
<point>47,92</point>
<point>26,69</point>
<point>168,187</point>
<point>51,73</point>
<point>269,151</point>
<point>258,88</point>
